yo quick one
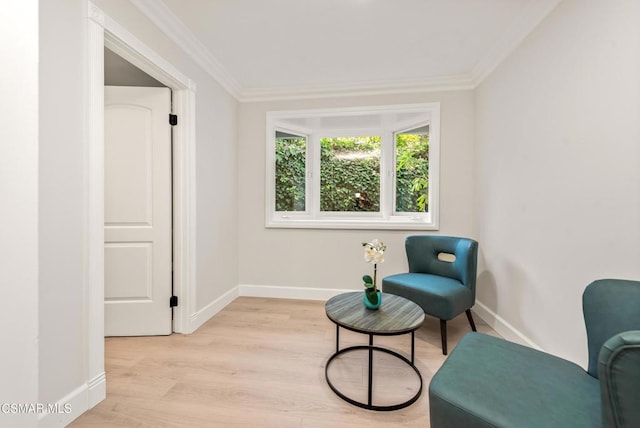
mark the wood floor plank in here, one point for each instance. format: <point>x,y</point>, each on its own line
<point>259,363</point>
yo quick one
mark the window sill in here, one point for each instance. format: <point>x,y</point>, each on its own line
<point>396,223</point>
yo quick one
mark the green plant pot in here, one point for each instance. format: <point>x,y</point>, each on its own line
<point>370,305</point>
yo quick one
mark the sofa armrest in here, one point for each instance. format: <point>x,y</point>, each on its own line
<point>619,373</point>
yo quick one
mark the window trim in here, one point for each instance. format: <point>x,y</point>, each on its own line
<point>386,218</point>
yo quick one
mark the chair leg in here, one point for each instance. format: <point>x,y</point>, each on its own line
<point>443,334</point>
<point>470,318</point>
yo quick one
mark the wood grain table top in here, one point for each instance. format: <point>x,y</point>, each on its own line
<point>396,314</point>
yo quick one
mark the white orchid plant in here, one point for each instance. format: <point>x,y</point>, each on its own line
<point>373,253</point>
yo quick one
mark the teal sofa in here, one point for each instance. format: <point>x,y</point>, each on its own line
<point>490,382</point>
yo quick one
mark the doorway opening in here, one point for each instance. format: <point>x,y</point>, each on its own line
<point>104,32</point>
<point>138,178</point>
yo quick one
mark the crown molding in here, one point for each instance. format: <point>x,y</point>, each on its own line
<point>520,28</point>
<point>158,12</point>
<point>95,14</point>
<point>532,15</point>
<point>439,84</point>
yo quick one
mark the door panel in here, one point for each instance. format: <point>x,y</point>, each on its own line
<point>128,184</point>
<point>138,245</point>
<point>133,278</point>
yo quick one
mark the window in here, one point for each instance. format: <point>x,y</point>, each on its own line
<point>354,168</point>
<point>290,186</point>
<point>350,174</point>
<point>412,170</point>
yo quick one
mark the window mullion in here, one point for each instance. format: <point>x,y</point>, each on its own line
<point>386,174</point>
<point>314,175</point>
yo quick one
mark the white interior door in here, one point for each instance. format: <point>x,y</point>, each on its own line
<point>137,230</point>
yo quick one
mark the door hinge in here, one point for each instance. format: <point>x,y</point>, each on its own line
<point>173,119</point>
<point>173,301</point>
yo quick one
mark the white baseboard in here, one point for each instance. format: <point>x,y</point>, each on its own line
<point>97,389</point>
<point>492,319</point>
<point>74,404</point>
<point>272,291</point>
<point>289,292</point>
<point>501,326</point>
<point>205,314</point>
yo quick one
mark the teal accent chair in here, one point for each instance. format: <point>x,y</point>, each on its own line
<point>490,382</point>
<point>443,289</point>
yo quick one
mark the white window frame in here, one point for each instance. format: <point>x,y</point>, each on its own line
<point>386,218</point>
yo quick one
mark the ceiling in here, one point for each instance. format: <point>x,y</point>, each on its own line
<point>288,48</point>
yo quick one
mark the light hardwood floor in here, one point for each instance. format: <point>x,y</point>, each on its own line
<point>260,363</point>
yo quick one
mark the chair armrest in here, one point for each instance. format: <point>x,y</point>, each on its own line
<point>619,373</point>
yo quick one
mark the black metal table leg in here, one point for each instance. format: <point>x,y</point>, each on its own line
<point>370,396</point>
<point>413,337</point>
<point>369,405</point>
<point>337,338</point>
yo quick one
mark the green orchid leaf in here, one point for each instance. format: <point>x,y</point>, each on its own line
<point>372,297</point>
<point>367,279</point>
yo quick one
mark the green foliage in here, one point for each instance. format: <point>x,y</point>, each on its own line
<point>412,172</point>
<point>351,144</point>
<point>290,174</point>
<point>350,173</point>
<point>372,295</point>
<point>368,282</point>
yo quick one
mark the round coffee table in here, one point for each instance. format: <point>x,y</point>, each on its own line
<point>395,316</point>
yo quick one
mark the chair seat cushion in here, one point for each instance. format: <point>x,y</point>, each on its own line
<point>490,382</point>
<point>438,296</point>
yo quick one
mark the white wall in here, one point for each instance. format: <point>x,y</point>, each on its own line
<point>61,193</point>
<point>332,259</point>
<point>19,213</point>
<point>216,158</point>
<point>558,143</point>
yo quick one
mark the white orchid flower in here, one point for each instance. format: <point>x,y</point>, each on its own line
<point>369,254</point>
<point>374,251</point>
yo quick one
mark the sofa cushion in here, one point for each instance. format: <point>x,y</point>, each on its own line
<point>438,296</point>
<point>490,382</point>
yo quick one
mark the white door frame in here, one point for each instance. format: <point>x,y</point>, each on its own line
<point>103,32</point>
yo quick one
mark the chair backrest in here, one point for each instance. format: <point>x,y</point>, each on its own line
<point>423,252</point>
<point>619,374</point>
<point>610,306</point>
